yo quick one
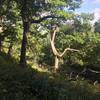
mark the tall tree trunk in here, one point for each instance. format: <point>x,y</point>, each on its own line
<point>24,44</point>
<point>0,45</point>
<point>1,41</point>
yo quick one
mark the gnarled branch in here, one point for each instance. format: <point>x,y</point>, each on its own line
<point>68,49</point>
<point>55,52</point>
<point>44,18</point>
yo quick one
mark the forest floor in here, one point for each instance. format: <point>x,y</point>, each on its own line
<point>31,83</point>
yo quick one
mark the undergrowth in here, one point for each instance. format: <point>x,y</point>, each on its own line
<point>18,83</point>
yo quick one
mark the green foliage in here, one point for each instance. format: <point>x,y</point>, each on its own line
<point>82,22</point>
<point>97,26</point>
<point>17,83</point>
<point>88,46</point>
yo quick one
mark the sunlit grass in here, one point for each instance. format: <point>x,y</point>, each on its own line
<point>36,67</point>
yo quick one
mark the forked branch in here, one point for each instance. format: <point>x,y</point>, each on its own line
<point>68,49</point>
<point>55,52</point>
<point>45,18</point>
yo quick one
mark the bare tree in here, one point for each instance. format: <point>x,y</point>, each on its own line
<point>57,54</point>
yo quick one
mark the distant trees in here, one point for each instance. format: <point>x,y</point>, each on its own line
<point>97,26</point>
<point>82,22</point>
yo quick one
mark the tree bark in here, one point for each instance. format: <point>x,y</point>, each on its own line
<point>1,40</point>
<point>0,45</point>
<point>24,44</point>
<point>56,65</point>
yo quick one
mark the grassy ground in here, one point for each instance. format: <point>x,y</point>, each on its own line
<point>18,83</point>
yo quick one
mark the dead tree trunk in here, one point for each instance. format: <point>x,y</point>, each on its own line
<point>56,63</point>
<point>57,55</point>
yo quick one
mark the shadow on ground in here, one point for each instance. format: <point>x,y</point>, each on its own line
<point>18,83</point>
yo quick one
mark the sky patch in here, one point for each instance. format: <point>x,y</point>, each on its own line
<point>90,6</point>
